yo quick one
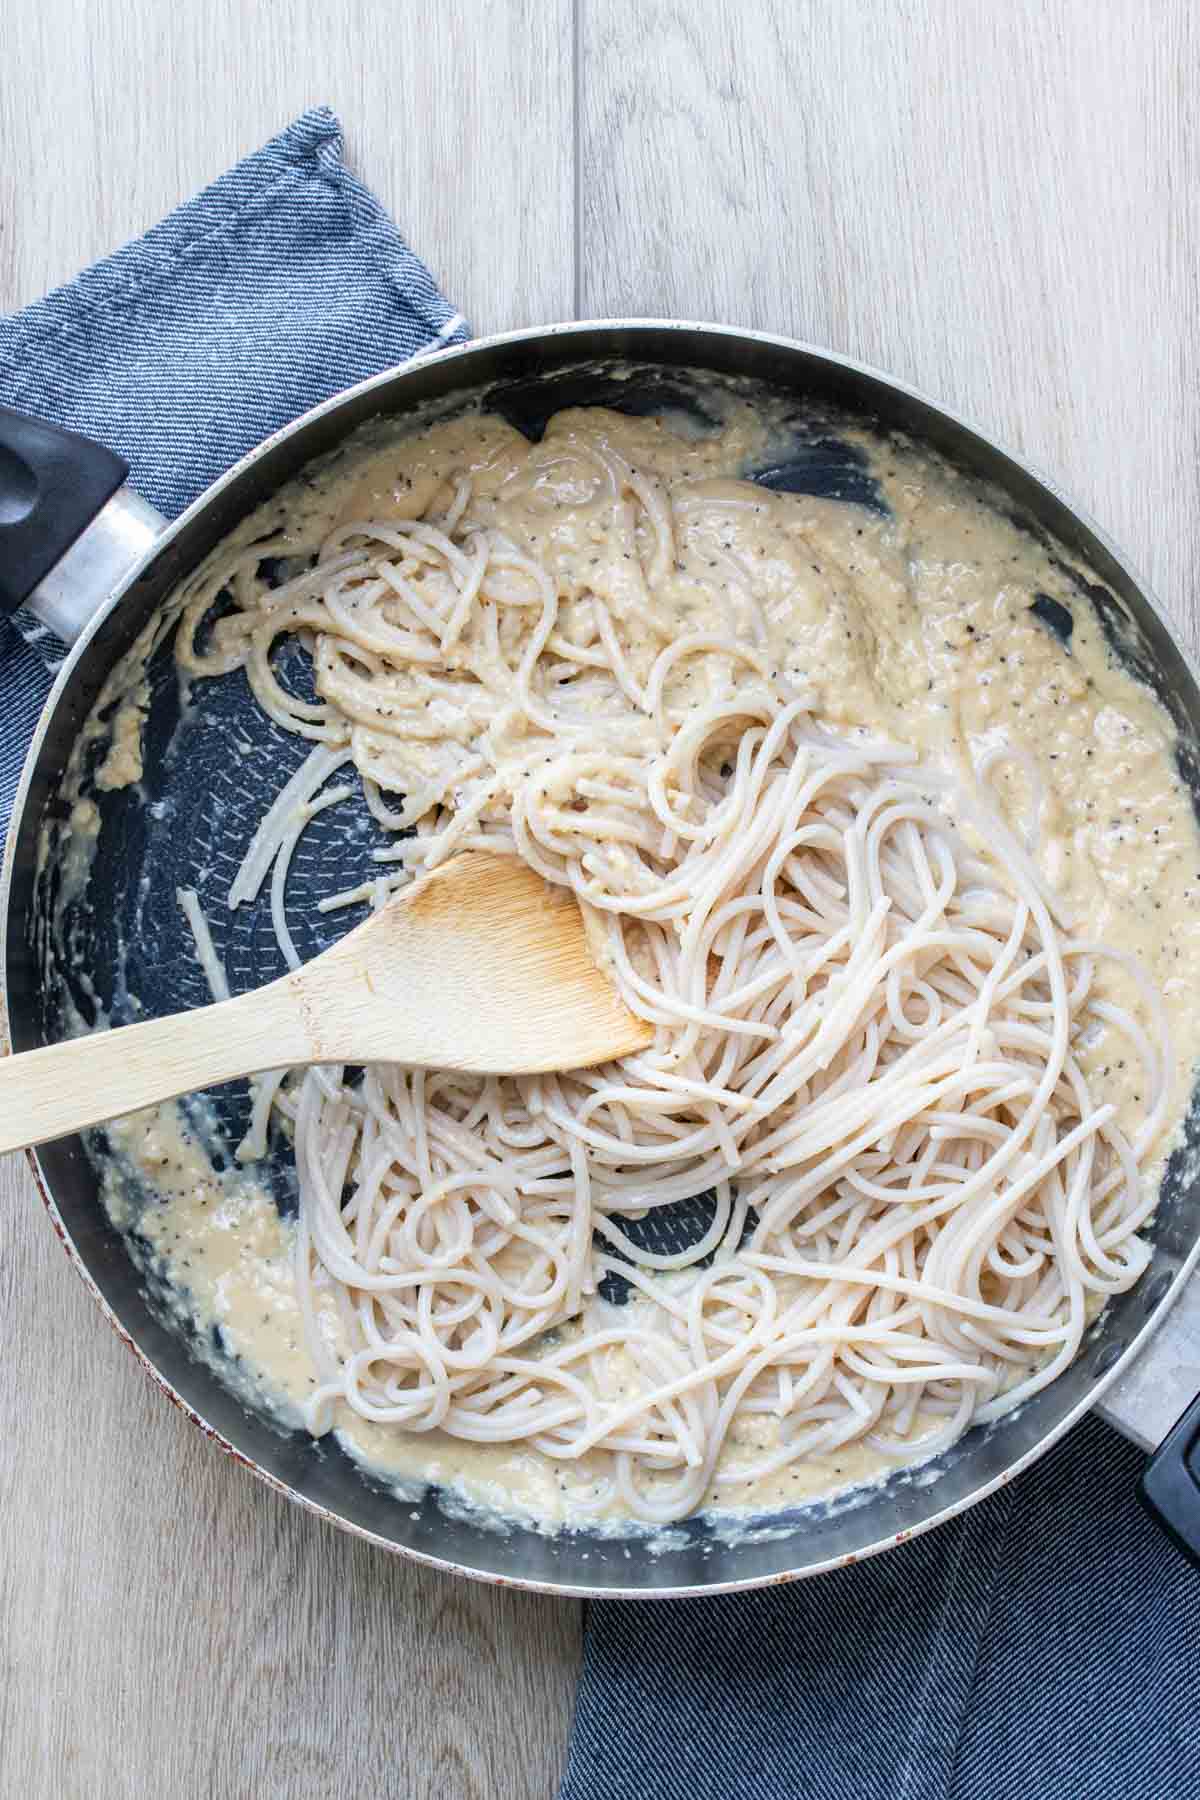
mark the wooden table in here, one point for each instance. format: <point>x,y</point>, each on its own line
<point>999,204</point>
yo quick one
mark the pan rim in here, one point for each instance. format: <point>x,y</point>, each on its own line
<point>329,408</point>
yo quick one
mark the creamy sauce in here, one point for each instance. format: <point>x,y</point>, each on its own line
<point>915,624</point>
<point>218,1248</point>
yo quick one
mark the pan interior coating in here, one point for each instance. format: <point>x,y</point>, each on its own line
<point>183,817</point>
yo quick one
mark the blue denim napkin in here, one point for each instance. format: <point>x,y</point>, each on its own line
<point>1045,1645</point>
<point>278,285</point>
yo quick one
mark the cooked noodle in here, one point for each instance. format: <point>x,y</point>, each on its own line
<point>868,1007</point>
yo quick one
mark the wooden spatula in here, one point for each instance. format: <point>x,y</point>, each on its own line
<point>481,965</point>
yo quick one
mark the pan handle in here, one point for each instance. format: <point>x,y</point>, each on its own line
<point>1170,1485</point>
<point>70,530</point>
<point>1155,1405</point>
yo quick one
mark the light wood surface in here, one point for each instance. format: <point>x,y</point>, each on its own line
<point>998,204</point>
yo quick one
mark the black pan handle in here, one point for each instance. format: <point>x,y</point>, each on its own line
<point>1170,1485</point>
<point>52,485</point>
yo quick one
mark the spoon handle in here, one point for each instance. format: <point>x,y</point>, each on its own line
<point>480,966</point>
<point>63,1088</point>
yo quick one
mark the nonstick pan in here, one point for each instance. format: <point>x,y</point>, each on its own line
<point>190,816</point>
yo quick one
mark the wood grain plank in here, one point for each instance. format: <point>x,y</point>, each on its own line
<point>999,204</point>
<point>996,203</point>
<point>170,1625</point>
<point>167,1624</point>
<point>459,117</point>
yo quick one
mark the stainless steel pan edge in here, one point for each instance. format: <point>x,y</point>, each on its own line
<point>692,1560</point>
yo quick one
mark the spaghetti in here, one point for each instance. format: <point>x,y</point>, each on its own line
<point>868,1003</point>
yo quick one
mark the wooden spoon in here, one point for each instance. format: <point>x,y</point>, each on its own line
<point>481,965</point>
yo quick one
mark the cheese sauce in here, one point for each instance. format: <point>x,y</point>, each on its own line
<point>928,618</point>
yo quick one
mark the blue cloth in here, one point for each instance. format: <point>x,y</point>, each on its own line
<point>1047,1643</point>
<point>1043,1646</point>
<point>278,285</point>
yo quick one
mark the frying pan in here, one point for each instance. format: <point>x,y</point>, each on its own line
<point>188,820</point>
